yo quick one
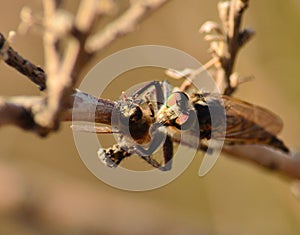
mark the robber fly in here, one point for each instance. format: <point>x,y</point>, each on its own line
<point>154,116</point>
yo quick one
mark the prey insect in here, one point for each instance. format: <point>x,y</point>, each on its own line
<point>155,116</point>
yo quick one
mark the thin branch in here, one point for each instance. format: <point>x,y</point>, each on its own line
<point>50,39</point>
<point>226,42</point>
<point>89,109</point>
<point>13,114</point>
<point>123,25</point>
<point>35,73</point>
<point>61,79</point>
<point>63,70</point>
<point>237,8</point>
<point>20,111</point>
<point>286,164</point>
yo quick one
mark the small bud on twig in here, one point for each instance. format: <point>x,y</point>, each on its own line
<point>245,36</point>
<point>210,27</point>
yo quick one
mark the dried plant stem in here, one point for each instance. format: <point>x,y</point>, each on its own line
<point>285,164</point>
<point>35,73</point>
<point>193,74</point>
<point>226,42</point>
<point>237,8</point>
<point>63,68</point>
<point>123,25</point>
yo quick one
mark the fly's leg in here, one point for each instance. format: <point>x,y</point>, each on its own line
<point>204,147</point>
<point>145,153</point>
<point>112,156</point>
<point>156,140</point>
<point>158,89</point>
<point>167,151</point>
<point>150,104</point>
<point>151,161</point>
<point>168,154</point>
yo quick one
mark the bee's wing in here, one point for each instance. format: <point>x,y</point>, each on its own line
<point>243,117</point>
<point>245,123</point>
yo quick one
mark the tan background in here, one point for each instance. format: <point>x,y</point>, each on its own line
<point>235,197</point>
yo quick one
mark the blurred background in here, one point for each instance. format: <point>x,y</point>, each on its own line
<point>45,188</point>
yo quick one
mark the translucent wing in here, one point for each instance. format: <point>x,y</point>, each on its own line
<point>245,123</point>
<point>245,117</point>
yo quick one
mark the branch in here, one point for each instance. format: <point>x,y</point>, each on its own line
<point>89,109</point>
<point>226,41</point>
<point>12,58</point>
<point>13,114</point>
<point>123,25</point>
<point>63,73</point>
<point>63,68</point>
<point>285,164</point>
<point>20,111</point>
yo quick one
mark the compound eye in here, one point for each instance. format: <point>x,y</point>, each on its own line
<point>178,98</point>
<point>185,120</point>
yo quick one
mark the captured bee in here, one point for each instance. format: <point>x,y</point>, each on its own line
<point>244,123</point>
<point>144,124</point>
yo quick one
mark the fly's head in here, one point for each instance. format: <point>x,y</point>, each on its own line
<point>177,111</point>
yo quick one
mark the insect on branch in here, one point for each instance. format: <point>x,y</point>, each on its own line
<point>225,43</point>
<point>43,114</point>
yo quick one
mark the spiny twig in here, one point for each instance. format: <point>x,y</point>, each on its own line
<point>123,25</point>
<point>63,67</point>
<point>35,73</point>
<point>226,41</point>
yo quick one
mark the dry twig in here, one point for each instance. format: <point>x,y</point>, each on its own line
<point>63,68</point>
<point>226,41</point>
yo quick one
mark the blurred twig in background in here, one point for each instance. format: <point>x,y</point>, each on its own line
<point>225,42</point>
<point>63,66</point>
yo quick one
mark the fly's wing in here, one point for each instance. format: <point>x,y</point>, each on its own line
<point>251,124</point>
<point>245,122</point>
<point>243,117</point>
